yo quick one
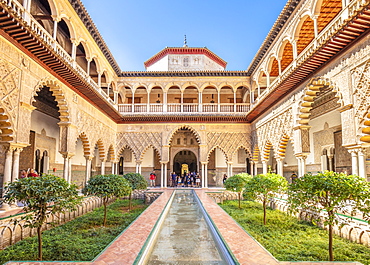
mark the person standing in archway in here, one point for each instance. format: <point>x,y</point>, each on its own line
<point>152,178</point>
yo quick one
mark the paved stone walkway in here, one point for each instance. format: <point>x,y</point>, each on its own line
<point>124,250</point>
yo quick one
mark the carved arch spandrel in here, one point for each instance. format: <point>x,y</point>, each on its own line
<point>228,142</point>
<point>172,134</point>
<point>10,77</point>
<point>310,94</point>
<point>58,93</point>
<point>138,142</point>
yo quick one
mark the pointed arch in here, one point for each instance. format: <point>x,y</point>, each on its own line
<point>309,95</point>
<point>283,145</point>
<point>111,153</point>
<point>214,148</point>
<point>171,135</point>
<point>146,149</point>
<point>126,146</point>
<point>242,147</point>
<point>255,154</point>
<point>6,127</point>
<point>101,149</point>
<point>266,150</point>
<point>208,84</point>
<point>85,144</point>
<point>60,98</point>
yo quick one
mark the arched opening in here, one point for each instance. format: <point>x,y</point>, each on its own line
<point>274,69</point>
<point>64,36</point>
<point>78,163</point>
<point>287,56</point>
<point>241,161</point>
<point>217,167</point>
<point>306,34</point>
<point>328,11</point>
<point>209,99</point>
<point>104,82</point>
<point>184,151</point>
<point>320,110</point>
<point>94,71</point>
<point>190,99</point>
<point>242,99</point>
<point>174,99</point>
<point>139,98</point>
<point>226,99</point>
<point>41,11</point>
<point>185,161</point>
<point>126,161</point>
<point>43,152</point>
<point>156,99</point>
<point>81,57</point>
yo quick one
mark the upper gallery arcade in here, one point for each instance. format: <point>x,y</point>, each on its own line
<point>302,104</point>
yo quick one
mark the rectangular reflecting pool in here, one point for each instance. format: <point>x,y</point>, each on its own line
<point>184,236</point>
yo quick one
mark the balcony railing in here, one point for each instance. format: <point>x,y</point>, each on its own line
<point>184,108</point>
<point>54,45</point>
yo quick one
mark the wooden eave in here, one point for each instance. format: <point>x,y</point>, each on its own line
<point>19,33</point>
<point>333,48</point>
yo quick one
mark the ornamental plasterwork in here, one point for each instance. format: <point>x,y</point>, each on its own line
<point>94,129</point>
<point>139,142</point>
<point>273,130</point>
<point>361,93</point>
<point>9,92</point>
<point>229,142</point>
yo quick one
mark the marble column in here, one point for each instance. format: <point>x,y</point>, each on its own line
<point>361,164</point>
<point>66,167</point>
<point>280,166</point>
<point>264,167</point>
<point>354,162</point>
<point>88,168</point>
<point>206,175</point>
<point>7,173</point>
<point>162,178</point>
<point>102,167</point>
<point>16,154</point>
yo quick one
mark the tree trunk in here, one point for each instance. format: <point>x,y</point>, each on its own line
<point>105,212</point>
<point>239,193</point>
<point>264,211</point>
<point>331,255</point>
<point>39,237</point>
<point>129,203</point>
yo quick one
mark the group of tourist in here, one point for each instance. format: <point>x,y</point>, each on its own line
<point>29,173</point>
<point>191,179</point>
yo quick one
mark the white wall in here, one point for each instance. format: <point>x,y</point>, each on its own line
<point>148,159</point>
<point>332,118</point>
<point>161,65</point>
<point>220,158</point>
<point>290,159</point>
<point>78,158</point>
<point>41,121</point>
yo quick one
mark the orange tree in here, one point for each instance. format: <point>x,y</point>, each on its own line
<point>237,183</point>
<point>330,192</point>
<point>264,187</point>
<point>43,196</point>
<point>107,187</point>
<point>137,182</point>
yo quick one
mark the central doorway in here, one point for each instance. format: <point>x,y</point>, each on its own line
<point>185,161</point>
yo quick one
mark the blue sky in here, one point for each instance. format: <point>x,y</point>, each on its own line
<point>135,30</point>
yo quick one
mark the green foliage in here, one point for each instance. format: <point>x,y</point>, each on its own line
<point>81,239</point>
<point>45,196</point>
<point>263,187</point>
<point>106,187</point>
<point>289,239</point>
<point>237,183</point>
<point>137,181</point>
<point>330,191</point>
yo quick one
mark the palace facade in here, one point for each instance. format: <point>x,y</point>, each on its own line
<point>302,105</point>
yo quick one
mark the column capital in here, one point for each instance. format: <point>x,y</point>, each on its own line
<point>67,154</point>
<point>230,162</point>
<point>204,163</point>
<point>90,157</point>
<point>164,162</point>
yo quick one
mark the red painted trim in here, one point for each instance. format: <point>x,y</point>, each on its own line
<point>185,50</point>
